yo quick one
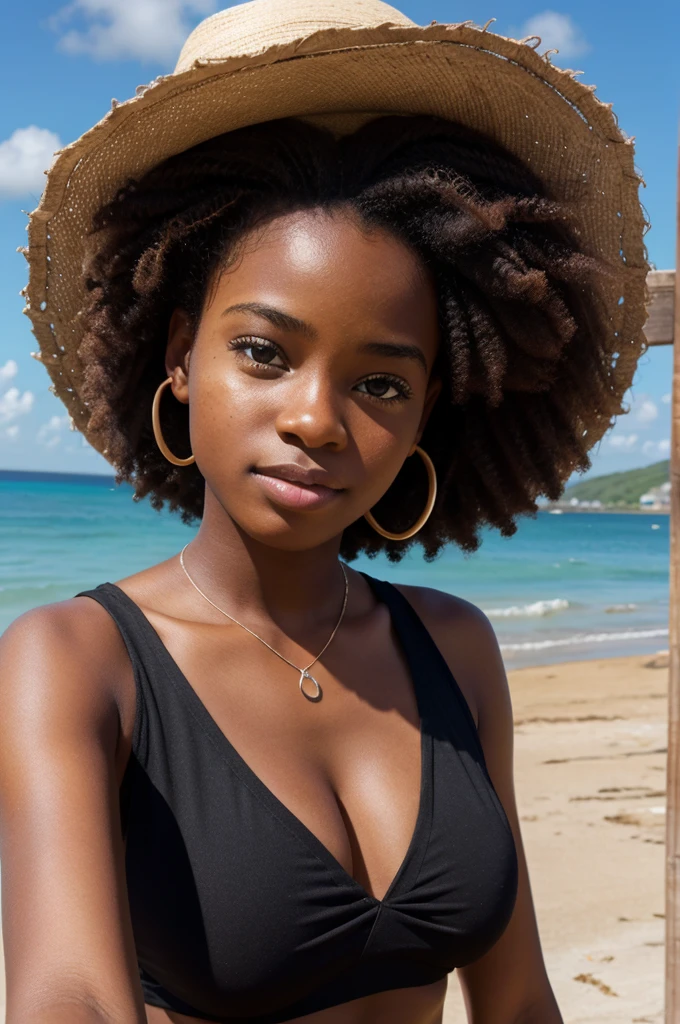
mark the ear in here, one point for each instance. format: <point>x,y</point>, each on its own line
<point>178,354</point>
<point>431,396</point>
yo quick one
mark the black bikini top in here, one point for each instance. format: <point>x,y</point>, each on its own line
<point>240,914</point>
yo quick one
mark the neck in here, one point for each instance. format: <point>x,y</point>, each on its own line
<point>256,582</point>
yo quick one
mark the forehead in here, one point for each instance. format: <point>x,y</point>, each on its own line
<point>330,264</point>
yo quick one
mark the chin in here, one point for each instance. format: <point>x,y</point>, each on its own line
<point>289,532</point>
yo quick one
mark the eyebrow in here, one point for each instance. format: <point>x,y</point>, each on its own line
<point>285,321</point>
<point>288,322</point>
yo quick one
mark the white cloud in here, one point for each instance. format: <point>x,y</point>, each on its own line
<point>12,404</point>
<point>23,158</point>
<point>624,442</point>
<point>49,434</point>
<point>645,411</point>
<point>557,31</point>
<point>146,30</point>
<point>642,408</point>
<point>8,371</point>
<point>666,398</point>
<point>656,447</point>
<point>12,432</point>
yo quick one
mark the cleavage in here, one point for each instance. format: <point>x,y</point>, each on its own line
<point>348,767</point>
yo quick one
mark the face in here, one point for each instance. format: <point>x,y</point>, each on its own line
<point>309,377</point>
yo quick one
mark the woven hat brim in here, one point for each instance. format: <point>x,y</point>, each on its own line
<point>341,77</point>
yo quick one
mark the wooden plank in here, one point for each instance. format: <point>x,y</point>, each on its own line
<point>660,312</point>
<point>672,982</point>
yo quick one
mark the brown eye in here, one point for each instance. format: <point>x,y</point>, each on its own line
<point>258,351</point>
<point>388,389</point>
<point>378,387</point>
<point>262,353</point>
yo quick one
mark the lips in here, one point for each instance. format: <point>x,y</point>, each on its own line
<point>295,487</point>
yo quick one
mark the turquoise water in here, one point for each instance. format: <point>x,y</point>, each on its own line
<point>564,587</point>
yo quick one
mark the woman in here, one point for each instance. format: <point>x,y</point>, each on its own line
<point>251,783</point>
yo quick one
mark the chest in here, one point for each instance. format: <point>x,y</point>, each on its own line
<point>279,863</point>
<point>349,765</point>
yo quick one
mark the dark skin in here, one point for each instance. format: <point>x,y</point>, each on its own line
<point>319,391</point>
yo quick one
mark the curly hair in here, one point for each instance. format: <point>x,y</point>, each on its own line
<point>525,360</point>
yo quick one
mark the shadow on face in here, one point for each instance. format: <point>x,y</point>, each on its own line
<point>309,378</point>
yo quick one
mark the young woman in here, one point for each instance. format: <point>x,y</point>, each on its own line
<point>251,783</point>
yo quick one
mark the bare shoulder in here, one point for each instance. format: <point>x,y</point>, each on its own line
<point>467,640</point>
<point>64,660</point>
<point>439,606</point>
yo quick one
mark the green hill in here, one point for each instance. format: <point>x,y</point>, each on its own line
<point>620,488</point>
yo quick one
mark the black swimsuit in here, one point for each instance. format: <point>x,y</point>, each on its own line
<point>240,914</point>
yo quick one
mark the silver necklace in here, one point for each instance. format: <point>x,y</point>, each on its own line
<point>304,672</point>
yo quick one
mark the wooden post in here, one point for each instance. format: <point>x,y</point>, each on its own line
<point>663,328</point>
<point>660,311</point>
<point>672,995</point>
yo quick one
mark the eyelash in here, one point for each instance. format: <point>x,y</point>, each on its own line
<point>252,341</point>
<point>404,391</point>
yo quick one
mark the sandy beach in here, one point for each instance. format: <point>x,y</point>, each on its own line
<point>590,779</point>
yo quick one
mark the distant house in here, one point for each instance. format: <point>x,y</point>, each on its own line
<point>657,498</point>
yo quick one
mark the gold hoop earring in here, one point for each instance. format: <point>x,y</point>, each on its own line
<point>158,434</point>
<point>425,515</point>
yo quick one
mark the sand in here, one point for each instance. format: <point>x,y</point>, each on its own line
<point>590,779</point>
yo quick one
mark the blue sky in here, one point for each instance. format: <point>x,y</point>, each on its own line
<point>62,65</point>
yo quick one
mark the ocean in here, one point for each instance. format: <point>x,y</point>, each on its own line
<point>565,587</point>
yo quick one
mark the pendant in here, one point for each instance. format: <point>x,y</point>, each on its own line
<point>313,697</point>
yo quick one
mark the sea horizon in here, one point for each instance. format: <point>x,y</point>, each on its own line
<point>101,479</point>
<point>562,588</point>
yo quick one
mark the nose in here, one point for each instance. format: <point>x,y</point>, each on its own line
<point>312,416</point>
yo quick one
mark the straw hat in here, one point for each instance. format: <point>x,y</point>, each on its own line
<point>339,63</point>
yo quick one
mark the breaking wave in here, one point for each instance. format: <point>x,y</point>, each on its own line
<point>537,609</point>
<point>584,638</point>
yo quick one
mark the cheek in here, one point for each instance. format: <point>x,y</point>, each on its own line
<point>223,416</point>
<point>382,445</point>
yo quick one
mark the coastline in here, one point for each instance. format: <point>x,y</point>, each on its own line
<point>610,510</point>
<point>106,479</point>
<point>561,588</point>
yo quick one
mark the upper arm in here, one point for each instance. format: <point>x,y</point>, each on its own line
<point>512,974</point>
<point>67,932</point>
